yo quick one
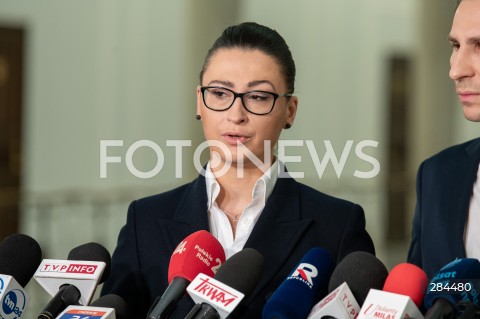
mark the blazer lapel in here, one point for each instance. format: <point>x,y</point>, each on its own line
<point>280,223</point>
<point>278,229</point>
<point>191,214</point>
<point>462,176</point>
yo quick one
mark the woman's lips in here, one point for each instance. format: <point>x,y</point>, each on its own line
<point>235,138</point>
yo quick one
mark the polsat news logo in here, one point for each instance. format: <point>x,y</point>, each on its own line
<point>69,268</point>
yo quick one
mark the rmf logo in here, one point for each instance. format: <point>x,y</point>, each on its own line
<point>306,271</point>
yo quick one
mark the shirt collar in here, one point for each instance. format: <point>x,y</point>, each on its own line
<point>261,191</point>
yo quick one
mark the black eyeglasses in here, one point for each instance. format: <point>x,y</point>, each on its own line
<point>218,98</point>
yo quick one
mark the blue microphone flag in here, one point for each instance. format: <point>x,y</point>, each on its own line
<point>297,294</point>
<point>457,281</point>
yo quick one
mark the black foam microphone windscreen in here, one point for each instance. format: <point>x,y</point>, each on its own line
<point>242,271</point>
<point>20,256</point>
<point>68,293</point>
<point>92,252</point>
<point>112,301</point>
<point>362,271</point>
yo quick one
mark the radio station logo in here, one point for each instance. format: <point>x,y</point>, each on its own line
<point>13,304</point>
<point>305,273</point>
<point>69,268</point>
<point>180,248</point>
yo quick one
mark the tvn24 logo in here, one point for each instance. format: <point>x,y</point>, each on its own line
<point>13,302</point>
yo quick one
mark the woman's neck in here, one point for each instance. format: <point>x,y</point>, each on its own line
<point>238,183</point>
<point>236,191</point>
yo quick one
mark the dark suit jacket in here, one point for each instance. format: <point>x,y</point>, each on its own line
<point>444,188</point>
<point>295,219</point>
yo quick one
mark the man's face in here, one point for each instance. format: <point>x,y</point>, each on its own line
<point>465,59</point>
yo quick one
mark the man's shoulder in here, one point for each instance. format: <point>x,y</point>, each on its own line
<point>454,152</point>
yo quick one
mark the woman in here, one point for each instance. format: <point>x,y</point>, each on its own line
<point>244,197</point>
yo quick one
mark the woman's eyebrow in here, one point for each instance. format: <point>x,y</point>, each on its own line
<point>255,83</point>
<point>222,82</point>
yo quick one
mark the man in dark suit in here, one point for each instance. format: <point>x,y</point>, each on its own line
<point>447,213</point>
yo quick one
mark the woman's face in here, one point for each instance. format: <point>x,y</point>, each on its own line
<point>243,70</point>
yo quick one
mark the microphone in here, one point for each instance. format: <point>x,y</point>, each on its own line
<point>113,301</point>
<point>441,309</point>
<point>73,281</point>
<point>362,271</point>
<point>351,280</point>
<point>405,283</point>
<point>20,256</point>
<point>218,297</point>
<point>199,252</point>
<point>296,295</point>
<point>455,282</point>
<point>106,307</point>
<point>409,280</point>
<point>467,310</point>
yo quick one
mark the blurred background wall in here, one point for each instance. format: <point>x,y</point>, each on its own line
<point>75,73</point>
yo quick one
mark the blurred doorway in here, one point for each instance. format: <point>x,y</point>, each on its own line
<point>399,95</point>
<point>11,94</point>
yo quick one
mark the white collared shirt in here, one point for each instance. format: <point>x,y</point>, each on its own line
<point>472,228</point>
<point>219,224</point>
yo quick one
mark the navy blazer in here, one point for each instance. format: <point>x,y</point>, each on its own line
<point>444,188</point>
<point>295,219</point>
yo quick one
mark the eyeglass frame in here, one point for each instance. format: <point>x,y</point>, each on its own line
<point>241,95</point>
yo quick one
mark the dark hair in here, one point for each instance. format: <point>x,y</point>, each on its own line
<point>253,36</point>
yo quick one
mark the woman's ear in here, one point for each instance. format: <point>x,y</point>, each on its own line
<point>199,101</point>
<point>292,105</point>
